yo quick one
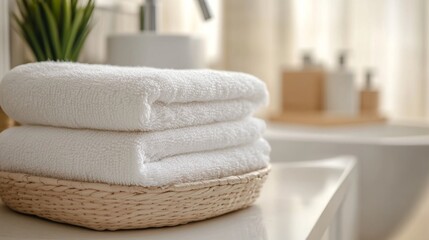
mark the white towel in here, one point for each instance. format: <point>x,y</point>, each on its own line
<point>106,97</point>
<point>132,158</point>
<point>132,146</point>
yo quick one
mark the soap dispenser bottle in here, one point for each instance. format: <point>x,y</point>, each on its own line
<point>369,97</point>
<point>341,95</point>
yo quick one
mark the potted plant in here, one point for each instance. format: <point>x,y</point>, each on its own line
<point>54,29</point>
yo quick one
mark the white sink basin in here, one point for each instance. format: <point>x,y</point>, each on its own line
<point>299,201</point>
<point>392,160</point>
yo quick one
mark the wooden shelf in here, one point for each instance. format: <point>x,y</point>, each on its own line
<point>323,119</point>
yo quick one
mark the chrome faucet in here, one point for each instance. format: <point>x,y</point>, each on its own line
<point>150,12</point>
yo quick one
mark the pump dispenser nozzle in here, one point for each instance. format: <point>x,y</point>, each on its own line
<point>150,13</point>
<point>368,79</point>
<point>342,59</point>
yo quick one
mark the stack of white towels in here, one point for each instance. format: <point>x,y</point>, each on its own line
<point>131,125</point>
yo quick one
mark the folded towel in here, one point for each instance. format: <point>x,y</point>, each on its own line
<point>121,157</point>
<point>128,146</point>
<point>204,165</point>
<point>126,98</point>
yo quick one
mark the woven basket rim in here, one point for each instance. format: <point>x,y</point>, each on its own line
<point>106,187</point>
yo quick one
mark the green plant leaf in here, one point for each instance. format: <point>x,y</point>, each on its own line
<point>73,32</point>
<point>73,8</point>
<point>19,28</point>
<point>84,29</point>
<point>66,24</point>
<point>41,29</point>
<point>88,10</point>
<point>37,48</point>
<point>56,9</point>
<point>53,31</point>
<point>31,39</point>
<point>25,4</point>
<point>22,7</point>
<point>79,44</point>
<point>30,13</point>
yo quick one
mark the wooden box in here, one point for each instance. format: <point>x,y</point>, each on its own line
<point>369,102</point>
<point>303,90</point>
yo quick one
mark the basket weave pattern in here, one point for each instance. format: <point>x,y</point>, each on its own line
<point>111,207</point>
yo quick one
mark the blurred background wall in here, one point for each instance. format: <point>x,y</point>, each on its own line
<point>4,43</point>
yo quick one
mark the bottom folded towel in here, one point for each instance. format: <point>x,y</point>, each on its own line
<point>37,159</point>
<point>203,165</point>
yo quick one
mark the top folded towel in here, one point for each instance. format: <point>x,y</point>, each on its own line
<point>106,97</point>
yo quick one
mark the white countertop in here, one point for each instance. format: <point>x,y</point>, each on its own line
<point>299,201</point>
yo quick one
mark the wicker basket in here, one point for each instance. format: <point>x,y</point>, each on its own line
<point>111,207</point>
